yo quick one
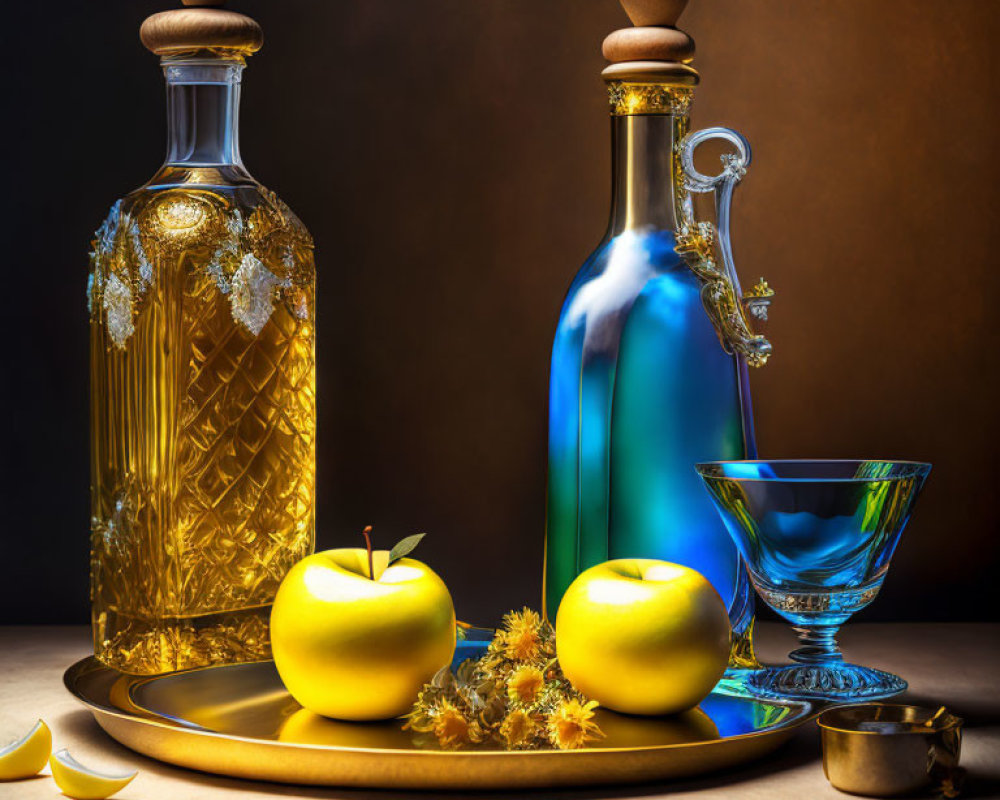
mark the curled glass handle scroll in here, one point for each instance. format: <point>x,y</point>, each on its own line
<point>726,304</point>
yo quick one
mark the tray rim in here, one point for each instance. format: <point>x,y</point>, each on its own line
<point>756,743</point>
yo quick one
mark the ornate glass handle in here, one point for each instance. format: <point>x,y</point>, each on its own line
<point>722,293</point>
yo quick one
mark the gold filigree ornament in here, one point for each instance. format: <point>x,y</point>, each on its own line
<point>633,98</point>
<point>255,257</point>
<point>697,243</point>
<point>180,212</point>
<point>758,299</point>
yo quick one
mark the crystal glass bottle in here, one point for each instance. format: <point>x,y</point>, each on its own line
<point>203,407</point>
<point>649,365</point>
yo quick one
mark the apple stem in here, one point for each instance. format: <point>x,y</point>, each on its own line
<point>368,543</point>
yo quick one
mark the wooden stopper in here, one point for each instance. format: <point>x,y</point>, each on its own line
<point>645,13</point>
<point>654,49</point>
<point>649,44</point>
<point>652,72</point>
<point>200,26</point>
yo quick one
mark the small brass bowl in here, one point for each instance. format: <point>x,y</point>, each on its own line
<point>879,750</point>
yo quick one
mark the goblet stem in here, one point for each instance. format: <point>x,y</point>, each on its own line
<point>818,645</point>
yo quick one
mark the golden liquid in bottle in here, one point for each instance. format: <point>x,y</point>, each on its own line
<point>203,409</point>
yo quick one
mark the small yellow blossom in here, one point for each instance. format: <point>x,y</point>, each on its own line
<point>525,684</point>
<point>571,725</point>
<point>451,727</point>
<point>515,695</point>
<point>518,729</point>
<point>522,641</point>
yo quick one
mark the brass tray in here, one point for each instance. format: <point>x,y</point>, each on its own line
<point>238,720</point>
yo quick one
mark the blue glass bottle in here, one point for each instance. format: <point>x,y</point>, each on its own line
<point>650,365</point>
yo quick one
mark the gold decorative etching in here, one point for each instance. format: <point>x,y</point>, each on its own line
<point>203,423</point>
<point>629,98</point>
<point>697,242</point>
<point>758,299</point>
<point>694,244</point>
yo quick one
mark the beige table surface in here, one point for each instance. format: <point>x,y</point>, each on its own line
<point>957,665</point>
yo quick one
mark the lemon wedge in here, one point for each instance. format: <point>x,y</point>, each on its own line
<point>25,757</point>
<point>81,783</point>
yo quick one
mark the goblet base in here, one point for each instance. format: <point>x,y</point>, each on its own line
<point>840,682</point>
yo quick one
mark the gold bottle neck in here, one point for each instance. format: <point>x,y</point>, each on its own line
<point>645,180</point>
<point>648,121</point>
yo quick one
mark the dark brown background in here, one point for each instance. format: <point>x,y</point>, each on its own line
<point>451,158</point>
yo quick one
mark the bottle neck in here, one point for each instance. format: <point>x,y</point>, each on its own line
<point>643,182</point>
<point>203,102</point>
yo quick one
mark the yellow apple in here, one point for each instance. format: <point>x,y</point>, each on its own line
<point>353,648</point>
<point>642,636</point>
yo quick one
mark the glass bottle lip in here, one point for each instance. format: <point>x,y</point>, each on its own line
<point>202,71</point>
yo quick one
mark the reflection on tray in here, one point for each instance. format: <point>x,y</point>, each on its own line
<point>249,700</point>
<point>238,721</point>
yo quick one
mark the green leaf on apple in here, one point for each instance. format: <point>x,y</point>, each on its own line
<point>405,547</point>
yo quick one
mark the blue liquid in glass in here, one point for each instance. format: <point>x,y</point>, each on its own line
<point>817,536</point>
<point>641,389</point>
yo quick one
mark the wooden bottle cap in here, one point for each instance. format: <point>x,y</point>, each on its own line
<point>201,25</point>
<point>646,13</point>
<point>653,50</point>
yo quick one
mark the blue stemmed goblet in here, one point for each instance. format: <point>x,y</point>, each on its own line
<point>817,538</point>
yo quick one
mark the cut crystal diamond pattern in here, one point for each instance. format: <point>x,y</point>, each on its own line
<point>204,451</point>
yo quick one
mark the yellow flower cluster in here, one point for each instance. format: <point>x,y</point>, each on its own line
<point>515,696</point>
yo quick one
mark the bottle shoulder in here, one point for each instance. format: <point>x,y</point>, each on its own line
<point>242,239</point>
<point>170,215</point>
<point>632,257</point>
<point>226,188</point>
<point>175,243</point>
<point>622,268</point>
<point>655,247</point>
